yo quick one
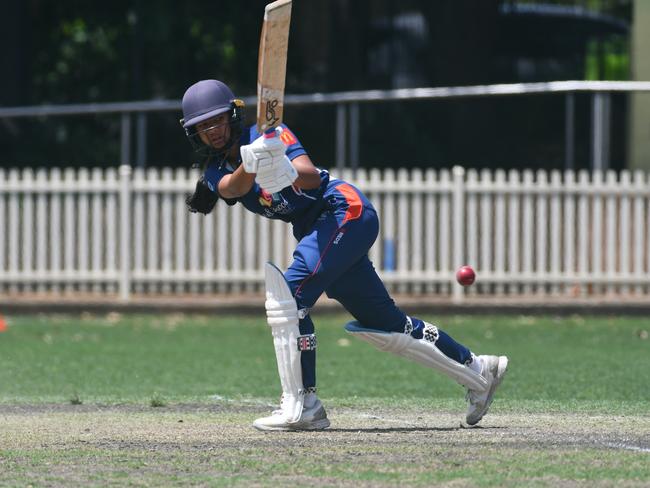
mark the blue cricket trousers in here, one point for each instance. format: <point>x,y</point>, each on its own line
<point>332,257</point>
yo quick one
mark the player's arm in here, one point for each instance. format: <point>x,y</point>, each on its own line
<point>267,160</point>
<point>236,184</point>
<point>308,174</point>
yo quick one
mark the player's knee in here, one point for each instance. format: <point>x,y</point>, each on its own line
<point>282,305</point>
<point>281,308</point>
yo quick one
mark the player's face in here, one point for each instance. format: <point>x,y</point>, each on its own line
<point>215,131</point>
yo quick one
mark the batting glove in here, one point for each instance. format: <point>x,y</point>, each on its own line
<point>278,175</point>
<point>261,153</point>
<point>203,199</point>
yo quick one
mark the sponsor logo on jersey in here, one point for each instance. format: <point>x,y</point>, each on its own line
<point>266,199</point>
<point>282,208</point>
<point>287,137</point>
<point>274,203</point>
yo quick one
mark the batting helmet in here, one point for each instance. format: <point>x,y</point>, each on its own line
<point>206,99</point>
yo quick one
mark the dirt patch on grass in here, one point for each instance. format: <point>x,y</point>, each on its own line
<point>215,445</point>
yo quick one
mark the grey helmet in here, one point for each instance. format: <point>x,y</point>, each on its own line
<point>206,99</point>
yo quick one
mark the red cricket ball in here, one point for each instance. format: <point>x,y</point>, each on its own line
<point>465,275</point>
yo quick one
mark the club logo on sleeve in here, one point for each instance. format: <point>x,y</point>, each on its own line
<point>287,137</point>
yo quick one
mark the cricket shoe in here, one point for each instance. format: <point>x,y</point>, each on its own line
<point>493,369</point>
<point>313,417</point>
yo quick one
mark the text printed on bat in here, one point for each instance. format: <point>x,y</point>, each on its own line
<point>271,116</point>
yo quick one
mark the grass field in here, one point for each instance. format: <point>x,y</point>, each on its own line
<point>168,400</point>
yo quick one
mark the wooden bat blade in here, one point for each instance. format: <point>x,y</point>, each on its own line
<point>272,64</point>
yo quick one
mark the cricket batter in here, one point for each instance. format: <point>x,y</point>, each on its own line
<point>335,225</point>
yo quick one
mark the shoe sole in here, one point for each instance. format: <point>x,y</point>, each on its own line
<point>502,368</point>
<point>316,425</point>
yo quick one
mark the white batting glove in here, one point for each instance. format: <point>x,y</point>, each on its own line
<point>261,153</point>
<point>278,175</point>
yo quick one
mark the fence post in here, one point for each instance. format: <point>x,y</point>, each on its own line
<point>125,138</point>
<point>458,225</point>
<point>125,232</point>
<point>341,136</point>
<point>569,130</point>
<point>600,129</point>
<point>353,162</point>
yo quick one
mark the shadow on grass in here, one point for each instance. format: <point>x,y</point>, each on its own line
<point>388,430</point>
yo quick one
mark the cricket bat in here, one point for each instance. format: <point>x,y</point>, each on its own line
<point>272,64</point>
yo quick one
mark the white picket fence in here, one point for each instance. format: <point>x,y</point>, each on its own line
<point>113,233</point>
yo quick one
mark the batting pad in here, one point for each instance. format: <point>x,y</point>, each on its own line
<point>422,351</point>
<point>282,316</point>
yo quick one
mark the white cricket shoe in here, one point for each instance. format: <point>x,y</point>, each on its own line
<point>313,417</point>
<point>493,368</point>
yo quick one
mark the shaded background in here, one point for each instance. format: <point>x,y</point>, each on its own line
<point>82,52</point>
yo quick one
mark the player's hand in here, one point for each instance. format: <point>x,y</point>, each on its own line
<point>263,152</point>
<point>279,175</point>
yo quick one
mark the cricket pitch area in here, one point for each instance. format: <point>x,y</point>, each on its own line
<point>215,445</point>
<point>169,400</point>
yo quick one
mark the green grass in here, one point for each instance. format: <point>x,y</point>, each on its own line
<point>556,363</point>
<point>169,400</point>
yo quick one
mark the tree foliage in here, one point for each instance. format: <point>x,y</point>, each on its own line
<point>82,52</point>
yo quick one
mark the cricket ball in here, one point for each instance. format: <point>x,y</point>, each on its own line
<point>465,275</point>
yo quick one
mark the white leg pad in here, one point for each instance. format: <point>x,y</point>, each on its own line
<point>421,351</point>
<point>282,316</point>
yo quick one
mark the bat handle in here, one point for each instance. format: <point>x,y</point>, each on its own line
<point>270,133</point>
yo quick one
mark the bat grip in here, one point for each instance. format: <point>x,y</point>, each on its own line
<point>270,133</point>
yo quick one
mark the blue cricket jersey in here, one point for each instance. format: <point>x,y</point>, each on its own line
<point>292,204</point>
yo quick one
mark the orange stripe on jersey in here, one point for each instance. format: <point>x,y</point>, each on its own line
<point>355,205</point>
<point>287,137</point>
